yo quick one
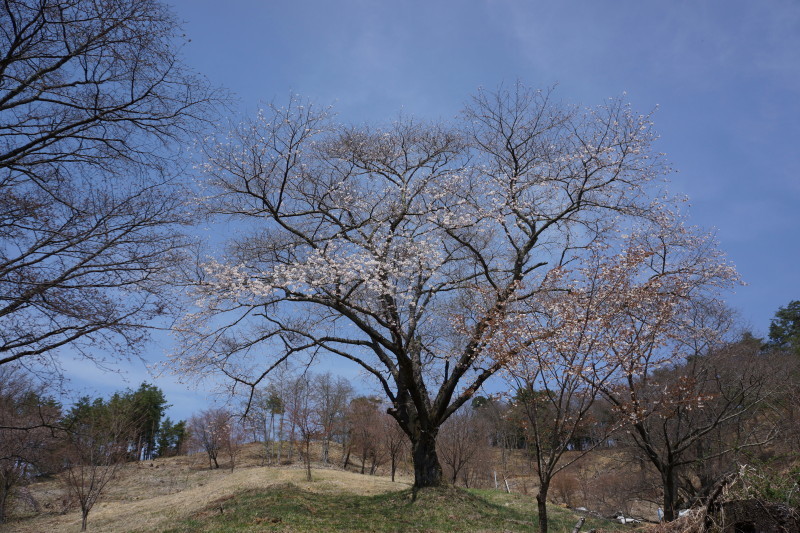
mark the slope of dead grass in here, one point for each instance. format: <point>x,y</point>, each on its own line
<point>181,494</point>
<point>148,496</point>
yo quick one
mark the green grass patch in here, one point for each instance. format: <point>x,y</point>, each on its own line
<point>289,508</point>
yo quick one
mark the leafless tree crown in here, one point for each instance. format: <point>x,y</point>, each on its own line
<point>94,107</point>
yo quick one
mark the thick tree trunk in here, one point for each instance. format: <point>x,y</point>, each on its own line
<point>427,470</point>
<point>84,519</point>
<point>422,432</point>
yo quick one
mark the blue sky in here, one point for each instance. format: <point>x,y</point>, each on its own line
<point>725,75</point>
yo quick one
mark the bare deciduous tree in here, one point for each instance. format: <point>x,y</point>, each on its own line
<point>265,408</point>
<point>209,431</point>
<point>364,420</point>
<point>332,397</point>
<point>94,108</point>
<point>395,442</point>
<point>260,410</point>
<point>463,439</point>
<point>233,440</point>
<point>97,445</point>
<point>554,405</point>
<point>304,416</point>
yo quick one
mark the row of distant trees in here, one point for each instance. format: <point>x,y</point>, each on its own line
<point>300,409</point>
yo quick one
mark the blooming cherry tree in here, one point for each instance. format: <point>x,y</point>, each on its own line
<point>405,248</point>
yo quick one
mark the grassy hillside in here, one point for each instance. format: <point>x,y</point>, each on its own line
<point>294,508</point>
<point>181,495</point>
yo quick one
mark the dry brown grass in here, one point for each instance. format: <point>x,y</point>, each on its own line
<point>150,494</point>
<point>605,481</point>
